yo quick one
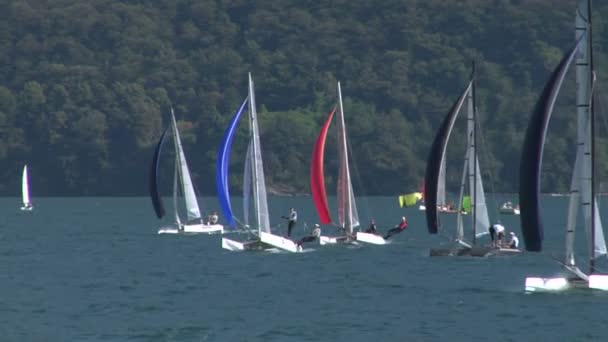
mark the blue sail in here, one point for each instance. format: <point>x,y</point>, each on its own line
<point>157,203</point>
<point>532,155</point>
<point>433,164</point>
<point>223,161</point>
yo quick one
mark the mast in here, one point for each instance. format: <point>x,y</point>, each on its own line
<point>473,113</point>
<point>590,81</point>
<point>346,188</point>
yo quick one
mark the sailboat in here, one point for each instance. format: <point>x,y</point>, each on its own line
<point>181,181</point>
<point>582,188</point>
<point>25,191</point>
<point>348,217</point>
<point>475,202</point>
<point>253,186</point>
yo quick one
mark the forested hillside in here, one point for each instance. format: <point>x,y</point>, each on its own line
<point>86,87</point>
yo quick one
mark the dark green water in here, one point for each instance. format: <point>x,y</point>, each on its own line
<point>94,269</point>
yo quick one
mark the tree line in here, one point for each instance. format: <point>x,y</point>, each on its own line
<point>86,87</point>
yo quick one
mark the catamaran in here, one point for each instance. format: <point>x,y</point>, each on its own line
<point>475,202</point>
<point>194,223</point>
<point>25,191</point>
<point>582,187</point>
<point>253,184</point>
<point>348,218</point>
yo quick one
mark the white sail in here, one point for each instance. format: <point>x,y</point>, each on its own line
<point>347,208</point>
<point>192,209</point>
<point>482,220</point>
<point>459,223</point>
<point>584,159</point>
<point>441,184</point>
<point>247,185</point>
<point>260,200</point>
<point>25,188</point>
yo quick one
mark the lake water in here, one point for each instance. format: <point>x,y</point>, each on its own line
<point>94,269</point>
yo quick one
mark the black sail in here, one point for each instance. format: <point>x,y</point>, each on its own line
<point>437,153</point>
<point>532,155</point>
<point>153,180</point>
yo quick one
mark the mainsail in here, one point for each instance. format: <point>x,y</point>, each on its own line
<point>192,209</point>
<point>435,160</point>
<point>347,208</point>
<point>259,186</point>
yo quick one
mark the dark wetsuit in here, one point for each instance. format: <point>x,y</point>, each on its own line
<point>401,227</point>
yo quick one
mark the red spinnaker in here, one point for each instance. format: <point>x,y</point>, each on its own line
<point>317,181</point>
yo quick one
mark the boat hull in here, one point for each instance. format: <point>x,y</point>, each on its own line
<point>509,211</point>
<point>559,284</point>
<point>27,208</point>
<point>335,240</point>
<point>370,238</point>
<point>280,242</point>
<point>475,251</point>
<point>193,229</point>
<point>250,245</point>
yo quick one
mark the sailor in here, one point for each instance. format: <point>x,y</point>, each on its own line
<point>213,218</point>
<point>398,228</point>
<point>316,232</point>
<point>497,233</point>
<point>372,227</point>
<point>513,241</point>
<point>292,219</point>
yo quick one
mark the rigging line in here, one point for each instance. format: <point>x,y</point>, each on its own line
<point>601,110</point>
<point>484,150</point>
<point>362,192</point>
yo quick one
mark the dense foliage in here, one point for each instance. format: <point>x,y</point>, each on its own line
<point>86,87</point>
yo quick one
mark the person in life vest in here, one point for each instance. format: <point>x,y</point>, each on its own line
<point>398,228</point>
<point>497,233</point>
<point>513,241</point>
<point>372,229</point>
<point>213,218</point>
<point>314,235</point>
<point>292,219</point>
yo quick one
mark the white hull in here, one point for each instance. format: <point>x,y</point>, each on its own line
<point>370,238</point>
<point>27,208</point>
<point>280,242</point>
<point>236,246</point>
<point>194,229</point>
<point>422,207</point>
<point>334,240</point>
<point>598,282</point>
<point>512,211</point>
